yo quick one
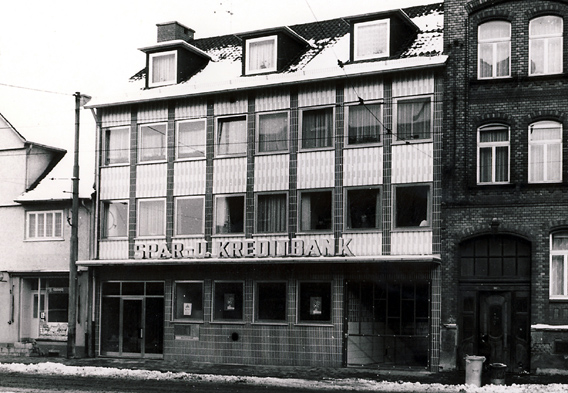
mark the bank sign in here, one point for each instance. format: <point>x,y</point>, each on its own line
<point>246,248</point>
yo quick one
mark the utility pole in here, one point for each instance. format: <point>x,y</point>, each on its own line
<point>80,100</point>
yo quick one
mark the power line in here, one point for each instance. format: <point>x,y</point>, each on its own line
<point>34,89</point>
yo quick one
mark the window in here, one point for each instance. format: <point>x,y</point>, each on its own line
<point>228,301</point>
<point>271,213</point>
<point>152,142</point>
<point>314,303</point>
<point>261,55</point>
<point>545,45</point>
<point>545,152</point>
<point>371,39</point>
<point>45,225</point>
<point>189,216</point>
<point>117,145</point>
<point>190,142</point>
<point>494,50</point>
<point>412,206</point>
<point>414,119</point>
<point>188,301</point>
<point>115,219</point>
<point>230,214</point>
<point>163,68</point>
<point>56,309</point>
<point>272,132</point>
<point>232,136</point>
<point>151,217</point>
<point>493,154</point>
<point>363,124</point>
<point>363,209</point>
<point>317,128</point>
<point>315,211</point>
<point>270,301</point>
<point>559,265</point>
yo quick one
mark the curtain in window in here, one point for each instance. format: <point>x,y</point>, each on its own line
<point>153,146</point>
<point>273,132</point>
<point>317,128</point>
<point>413,121</point>
<point>364,126</point>
<point>545,45</point>
<point>306,213</point>
<point>32,225</point>
<point>116,219</point>
<point>557,275</point>
<point>191,139</point>
<point>40,225</point>
<point>189,216</point>
<point>372,39</point>
<point>117,146</point>
<point>494,49</point>
<point>261,55</point>
<point>163,68</point>
<point>545,147</point>
<point>494,154</point>
<point>232,137</point>
<point>151,218</point>
<point>229,215</point>
<point>271,212</point>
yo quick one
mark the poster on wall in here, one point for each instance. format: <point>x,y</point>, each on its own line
<point>53,330</point>
<point>315,305</point>
<point>187,309</point>
<point>229,301</point>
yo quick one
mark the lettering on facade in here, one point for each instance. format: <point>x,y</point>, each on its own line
<point>247,248</point>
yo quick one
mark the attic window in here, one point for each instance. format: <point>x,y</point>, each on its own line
<point>371,39</point>
<point>163,68</point>
<point>261,55</point>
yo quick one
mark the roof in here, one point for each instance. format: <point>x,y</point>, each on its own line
<point>326,57</point>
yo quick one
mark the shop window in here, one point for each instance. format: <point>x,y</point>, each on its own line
<point>273,132</point>
<point>114,219</point>
<point>232,136</point>
<point>229,214</point>
<point>545,152</point>
<point>414,119</point>
<point>163,68</point>
<point>151,217</point>
<point>315,211</point>
<point>189,215</point>
<point>44,225</point>
<point>545,45</point>
<point>261,55</point>
<point>117,145</point>
<point>494,50</point>
<point>152,142</point>
<point>271,214</point>
<point>317,128</point>
<point>559,265</point>
<point>190,141</point>
<point>51,304</point>
<point>363,124</point>
<point>371,39</point>
<point>412,206</point>
<point>188,301</point>
<point>363,209</point>
<point>314,305</point>
<point>271,300</point>
<point>493,154</point>
<point>228,301</point>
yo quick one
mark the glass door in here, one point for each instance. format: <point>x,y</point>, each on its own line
<point>132,327</point>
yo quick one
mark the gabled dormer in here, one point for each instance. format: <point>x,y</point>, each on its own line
<point>271,50</point>
<point>380,35</point>
<point>173,59</point>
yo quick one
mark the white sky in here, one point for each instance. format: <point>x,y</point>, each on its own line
<point>65,46</point>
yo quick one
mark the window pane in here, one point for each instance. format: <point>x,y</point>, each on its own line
<point>40,225</point>
<point>58,224</point>
<point>153,142</point>
<point>413,121</point>
<point>502,58</point>
<point>261,55</point>
<point>545,34</point>
<point>32,222</point>
<point>537,56</point>
<point>191,139</point>
<point>232,136</point>
<point>485,60</point>
<point>273,132</point>
<point>315,211</point>
<point>271,301</point>
<point>315,302</point>
<point>560,241</point>
<point>228,301</point>
<point>115,219</point>
<point>557,275</point>
<point>163,68</point>
<point>363,209</point>
<point>58,304</point>
<point>501,164</point>
<point>117,145</point>
<point>229,214</point>
<point>412,206</point>
<point>493,31</point>
<point>364,125</point>
<point>48,224</point>
<point>189,301</point>
<point>372,39</point>
<point>151,218</point>
<point>545,25</point>
<point>189,216</point>
<point>494,49</point>
<point>317,128</point>
<point>271,213</point>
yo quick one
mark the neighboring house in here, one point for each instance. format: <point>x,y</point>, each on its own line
<point>34,239</point>
<point>273,197</point>
<point>505,205</point>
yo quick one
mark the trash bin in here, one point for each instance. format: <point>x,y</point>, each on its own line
<point>473,366</point>
<point>497,373</point>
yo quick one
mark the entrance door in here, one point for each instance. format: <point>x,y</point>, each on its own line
<point>495,326</point>
<point>132,327</point>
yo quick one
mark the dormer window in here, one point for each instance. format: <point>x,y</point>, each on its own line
<point>261,55</point>
<point>163,68</point>
<point>371,39</point>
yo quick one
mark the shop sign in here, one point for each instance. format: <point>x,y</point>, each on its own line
<point>247,248</point>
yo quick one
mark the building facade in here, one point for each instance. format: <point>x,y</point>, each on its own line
<point>273,197</point>
<point>504,202</point>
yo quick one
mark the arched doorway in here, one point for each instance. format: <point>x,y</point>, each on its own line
<point>494,291</point>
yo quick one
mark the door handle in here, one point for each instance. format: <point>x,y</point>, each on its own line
<point>141,334</point>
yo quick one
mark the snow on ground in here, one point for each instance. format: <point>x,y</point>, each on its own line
<point>354,384</point>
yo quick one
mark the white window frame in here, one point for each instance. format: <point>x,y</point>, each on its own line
<point>378,213</point>
<point>139,220</point>
<point>177,318</point>
<point>215,207</point>
<point>104,219</point>
<point>258,129</point>
<point>248,69</point>
<point>422,225</point>
<point>125,150</point>
<point>494,42</point>
<point>301,128</point>
<point>379,120</point>
<point>409,100</point>
<point>170,81</point>
<point>564,255</point>
<point>493,146</point>
<point>546,38</point>
<point>218,129</point>
<point>44,213</point>
<point>141,147</point>
<point>176,218</point>
<point>547,144</point>
<point>200,154</point>
<point>257,206</point>
<point>357,35</point>
<point>301,194</point>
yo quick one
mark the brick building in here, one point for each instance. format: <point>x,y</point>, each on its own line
<point>273,197</point>
<point>505,178</point>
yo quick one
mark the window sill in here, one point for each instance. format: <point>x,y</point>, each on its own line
<point>362,145</point>
<point>353,231</point>
<point>412,229</point>
<point>261,323</point>
<point>114,239</point>
<point>315,232</point>
<point>153,161</point>
<point>272,153</point>
<point>116,164</point>
<point>411,141</point>
<point>183,159</point>
<point>228,322</point>
<point>219,235</point>
<point>314,324</point>
<point>196,322</point>
<point>225,156</point>
<point>315,149</point>
<point>49,239</point>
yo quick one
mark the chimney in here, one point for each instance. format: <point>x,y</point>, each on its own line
<point>174,31</point>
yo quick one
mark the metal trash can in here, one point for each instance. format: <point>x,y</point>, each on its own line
<point>497,373</point>
<point>473,367</point>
